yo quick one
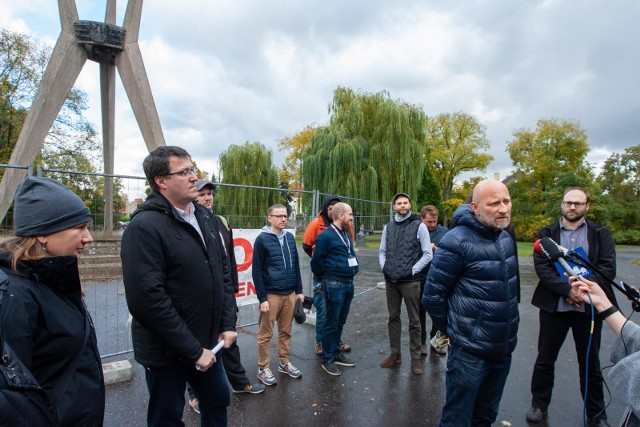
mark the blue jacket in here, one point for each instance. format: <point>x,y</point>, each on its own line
<point>471,289</point>
<point>275,266</point>
<point>330,260</point>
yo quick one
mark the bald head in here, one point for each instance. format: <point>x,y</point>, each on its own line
<point>491,204</point>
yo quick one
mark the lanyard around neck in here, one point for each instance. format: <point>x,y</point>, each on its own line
<point>346,243</point>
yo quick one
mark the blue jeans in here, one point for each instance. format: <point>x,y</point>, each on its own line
<point>337,297</point>
<point>321,308</point>
<point>474,388</point>
<point>166,394</point>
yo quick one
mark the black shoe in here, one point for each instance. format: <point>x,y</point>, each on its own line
<point>330,368</point>
<point>343,360</point>
<point>535,415</point>
<point>599,422</point>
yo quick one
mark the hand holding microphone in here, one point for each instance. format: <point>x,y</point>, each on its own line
<point>546,246</point>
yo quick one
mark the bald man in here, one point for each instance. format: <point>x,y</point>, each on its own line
<point>472,295</point>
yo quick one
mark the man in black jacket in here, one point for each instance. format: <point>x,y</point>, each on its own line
<point>561,308</point>
<point>178,289</point>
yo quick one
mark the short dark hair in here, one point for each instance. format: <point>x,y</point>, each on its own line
<point>429,209</point>
<point>157,163</point>
<point>586,193</point>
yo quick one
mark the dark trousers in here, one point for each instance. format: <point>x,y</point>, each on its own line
<point>474,388</point>
<point>423,320</point>
<point>236,373</point>
<point>337,298</point>
<point>410,292</point>
<point>166,394</point>
<point>553,331</point>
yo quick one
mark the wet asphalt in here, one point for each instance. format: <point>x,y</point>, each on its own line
<point>367,395</point>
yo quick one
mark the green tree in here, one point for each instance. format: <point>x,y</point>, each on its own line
<point>547,160</point>
<point>371,148</point>
<point>455,144</point>
<point>620,182</point>
<point>248,164</point>
<point>428,193</point>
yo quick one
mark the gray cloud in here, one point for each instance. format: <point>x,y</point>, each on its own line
<point>228,72</point>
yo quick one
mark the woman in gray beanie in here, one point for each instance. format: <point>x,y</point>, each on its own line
<point>43,316</point>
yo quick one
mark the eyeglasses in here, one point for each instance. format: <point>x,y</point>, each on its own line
<point>183,173</point>
<point>576,204</point>
<point>279,216</point>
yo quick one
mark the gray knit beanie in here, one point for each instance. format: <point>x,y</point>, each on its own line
<point>44,206</point>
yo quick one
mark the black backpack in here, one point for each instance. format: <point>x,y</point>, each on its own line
<point>23,402</point>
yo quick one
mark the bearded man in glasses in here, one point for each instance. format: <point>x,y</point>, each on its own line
<point>179,292</point>
<point>561,308</point>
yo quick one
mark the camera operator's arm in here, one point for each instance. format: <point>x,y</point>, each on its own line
<point>625,353</point>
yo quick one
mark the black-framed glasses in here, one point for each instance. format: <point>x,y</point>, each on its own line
<point>183,173</point>
<point>576,204</point>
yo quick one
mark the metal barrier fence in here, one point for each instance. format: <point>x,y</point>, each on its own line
<point>243,206</point>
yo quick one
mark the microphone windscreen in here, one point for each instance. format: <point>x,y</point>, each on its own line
<point>550,248</point>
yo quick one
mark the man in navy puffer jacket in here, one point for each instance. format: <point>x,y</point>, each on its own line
<point>276,276</point>
<point>471,293</point>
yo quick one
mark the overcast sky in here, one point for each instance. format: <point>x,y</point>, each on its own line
<point>226,72</point>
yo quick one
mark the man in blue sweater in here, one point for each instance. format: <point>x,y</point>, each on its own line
<point>276,276</point>
<point>334,264</point>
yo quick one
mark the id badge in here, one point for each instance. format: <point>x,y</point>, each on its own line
<point>353,262</point>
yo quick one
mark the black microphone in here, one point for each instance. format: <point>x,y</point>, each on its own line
<point>547,247</point>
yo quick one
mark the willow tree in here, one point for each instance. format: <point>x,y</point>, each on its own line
<point>371,148</point>
<point>455,144</point>
<point>248,164</point>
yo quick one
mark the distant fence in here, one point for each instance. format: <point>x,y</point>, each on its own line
<point>106,300</point>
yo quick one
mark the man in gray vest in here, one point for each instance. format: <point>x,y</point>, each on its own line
<point>405,252</point>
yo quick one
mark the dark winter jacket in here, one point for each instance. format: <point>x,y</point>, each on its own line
<point>471,289</point>
<point>178,290</point>
<point>602,254</point>
<point>330,260</point>
<point>275,267</point>
<point>46,330</point>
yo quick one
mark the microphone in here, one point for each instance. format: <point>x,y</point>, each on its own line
<point>547,247</point>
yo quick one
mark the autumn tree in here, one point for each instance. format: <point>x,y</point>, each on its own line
<point>546,160</point>
<point>72,142</point>
<point>290,172</point>
<point>72,136</point>
<point>249,164</point>
<point>455,143</point>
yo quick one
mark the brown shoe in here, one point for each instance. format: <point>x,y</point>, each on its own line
<point>416,366</point>
<point>390,360</point>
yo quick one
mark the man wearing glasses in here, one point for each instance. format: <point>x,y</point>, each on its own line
<point>276,276</point>
<point>561,308</point>
<point>178,289</point>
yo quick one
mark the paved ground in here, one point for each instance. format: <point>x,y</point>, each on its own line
<point>367,395</point>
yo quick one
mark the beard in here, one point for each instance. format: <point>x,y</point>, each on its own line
<point>573,217</point>
<point>348,227</point>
